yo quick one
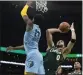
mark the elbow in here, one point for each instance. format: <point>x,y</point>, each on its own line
<point>48,31</point>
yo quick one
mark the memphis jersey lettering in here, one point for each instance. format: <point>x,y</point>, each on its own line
<point>31,38</point>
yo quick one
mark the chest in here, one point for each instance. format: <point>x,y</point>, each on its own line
<point>55,55</point>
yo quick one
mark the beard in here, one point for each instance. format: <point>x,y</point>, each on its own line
<point>59,46</point>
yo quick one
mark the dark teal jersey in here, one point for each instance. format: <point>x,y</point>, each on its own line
<point>53,59</point>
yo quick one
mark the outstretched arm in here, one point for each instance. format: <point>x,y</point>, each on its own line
<point>49,37</point>
<point>15,48</point>
<point>25,15</point>
<point>72,42</point>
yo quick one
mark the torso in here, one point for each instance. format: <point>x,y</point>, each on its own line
<point>31,39</point>
<point>53,58</point>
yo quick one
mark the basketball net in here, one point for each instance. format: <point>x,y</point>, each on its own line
<point>41,5</point>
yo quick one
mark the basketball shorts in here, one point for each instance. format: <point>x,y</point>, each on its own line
<point>34,63</point>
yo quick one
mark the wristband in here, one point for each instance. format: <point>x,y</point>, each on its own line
<point>73,40</point>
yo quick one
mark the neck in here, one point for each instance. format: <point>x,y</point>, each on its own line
<point>77,70</point>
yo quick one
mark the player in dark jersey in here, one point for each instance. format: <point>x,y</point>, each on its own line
<point>56,54</point>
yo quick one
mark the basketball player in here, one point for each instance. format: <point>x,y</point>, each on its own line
<point>57,53</point>
<point>77,71</point>
<point>34,59</point>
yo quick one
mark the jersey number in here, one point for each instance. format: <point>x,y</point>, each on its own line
<point>36,33</point>
<point>58,57</point>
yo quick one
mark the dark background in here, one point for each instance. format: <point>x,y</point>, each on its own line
<point>12,29</point>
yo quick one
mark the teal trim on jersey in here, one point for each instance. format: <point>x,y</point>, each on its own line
<point>43,53</point>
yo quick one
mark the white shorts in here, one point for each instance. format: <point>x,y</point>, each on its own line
<point>34,63</point>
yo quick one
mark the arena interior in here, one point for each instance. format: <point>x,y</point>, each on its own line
<point>13,27</point>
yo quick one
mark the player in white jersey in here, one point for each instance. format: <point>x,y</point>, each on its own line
<point>34,59</point>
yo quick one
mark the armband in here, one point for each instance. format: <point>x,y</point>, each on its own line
<point>24,10</point>
<point>73,40</point>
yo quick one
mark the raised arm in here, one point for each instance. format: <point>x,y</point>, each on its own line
<point>15,48</point>
<point>49,37</point>
<point>72,41</point>
<point>25,15</point>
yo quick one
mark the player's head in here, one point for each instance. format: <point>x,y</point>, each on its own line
<point>77,65</point>
<point>38,18</point>
<point>60,44</point>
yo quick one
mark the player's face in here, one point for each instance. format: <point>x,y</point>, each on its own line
<point>77,65</point>
<point>60,44</point>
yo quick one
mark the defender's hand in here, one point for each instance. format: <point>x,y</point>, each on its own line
<point>72,27</point>
<point>9,48</point>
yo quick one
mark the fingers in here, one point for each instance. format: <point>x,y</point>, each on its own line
<point>72,24</point>
<point>9,48</point>
<point>72,27</point>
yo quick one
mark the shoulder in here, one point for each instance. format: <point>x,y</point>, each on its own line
<point>36,26</point>
<point>30,28</point>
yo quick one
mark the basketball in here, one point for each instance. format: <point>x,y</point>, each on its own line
<point>64,27</point>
